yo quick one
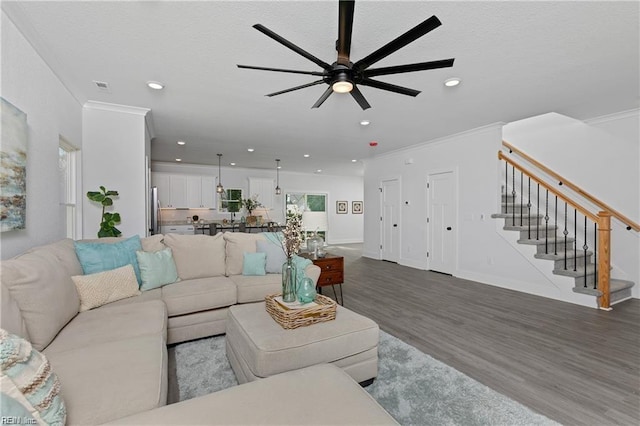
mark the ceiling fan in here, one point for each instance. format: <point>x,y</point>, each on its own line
<point>344,76</point>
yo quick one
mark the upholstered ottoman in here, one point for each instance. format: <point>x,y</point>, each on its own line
<point>258,347</point>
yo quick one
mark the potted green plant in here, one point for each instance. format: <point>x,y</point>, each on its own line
<point>251,204</point>
<point>109,219</point>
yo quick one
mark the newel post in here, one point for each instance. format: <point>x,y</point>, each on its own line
<point>604,258</point>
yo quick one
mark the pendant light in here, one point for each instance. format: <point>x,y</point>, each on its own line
<point>278,190</point>
<point>219,188</point>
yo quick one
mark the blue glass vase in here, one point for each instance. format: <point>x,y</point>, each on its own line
<point>289,284</point>
<point>307,291</point>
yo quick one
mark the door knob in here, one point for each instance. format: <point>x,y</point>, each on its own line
<point>448,228</point>
<point>395,225</point>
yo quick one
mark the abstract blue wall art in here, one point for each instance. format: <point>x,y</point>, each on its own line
<point>13,168</point>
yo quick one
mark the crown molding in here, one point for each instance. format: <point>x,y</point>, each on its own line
<point>104,106</point>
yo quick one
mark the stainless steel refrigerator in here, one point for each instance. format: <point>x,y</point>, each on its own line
<point>154,211</point>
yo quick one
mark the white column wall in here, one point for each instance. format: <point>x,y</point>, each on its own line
<point>114,157</point>
<point>30,85</point>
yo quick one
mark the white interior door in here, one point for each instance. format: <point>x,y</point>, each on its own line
<point>442,222</point>
<point>390,232</point>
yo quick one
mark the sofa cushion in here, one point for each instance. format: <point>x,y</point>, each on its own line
<point>237,244</point>
<point>156,268</point>
<point>110,323</point>
<point>254,264</point>
<point>101,256</point>
<point>285,399</point>
<point>255,288</point>
<point>275,255</point>
<point>200,294</point>
<point>153,243</point>
<point>39,281</point>
<point>106,381</point>
<point>104,287</point>
<point>29,372</point>
<point>197,256</point>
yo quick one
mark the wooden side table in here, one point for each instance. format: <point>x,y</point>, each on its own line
<point>331,272</point>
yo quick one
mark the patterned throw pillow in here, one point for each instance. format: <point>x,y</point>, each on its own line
<point>105,287</point>
<point>101,256</point>
<point>28,383</point>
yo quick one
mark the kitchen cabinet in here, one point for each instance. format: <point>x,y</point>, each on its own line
<point>200,192</point>
<point>264,189</point>
<point>184,191</point>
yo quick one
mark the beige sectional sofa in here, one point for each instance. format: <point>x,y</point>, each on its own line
<point>112,361</point>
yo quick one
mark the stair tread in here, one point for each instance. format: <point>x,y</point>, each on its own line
<point>549,240</point>
<point>560,256</point>
<point>526,227</point>
<point>509,215</point>
<point>579,272</point>
<point>615,285</point>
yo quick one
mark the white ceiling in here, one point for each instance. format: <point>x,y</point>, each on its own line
<point>516,59</point>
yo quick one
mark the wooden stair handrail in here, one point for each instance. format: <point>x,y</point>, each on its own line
<point>529,173</point>
<point>633,225</point>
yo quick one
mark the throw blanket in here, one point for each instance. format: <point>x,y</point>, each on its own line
<point>300,262</point>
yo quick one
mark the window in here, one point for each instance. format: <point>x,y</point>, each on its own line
<point>312,207</point>
<point>230,201</point>
<point>67,155</point>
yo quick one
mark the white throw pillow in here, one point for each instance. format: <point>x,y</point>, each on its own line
<point>105,287</point>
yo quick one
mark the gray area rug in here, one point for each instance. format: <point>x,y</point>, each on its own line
<point>413,387</point>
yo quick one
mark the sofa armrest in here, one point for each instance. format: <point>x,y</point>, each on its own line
<point>313,272</point>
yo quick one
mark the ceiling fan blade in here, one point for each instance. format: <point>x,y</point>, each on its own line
<point>250,67</point>
<point>398,43</point>
<point>345,28</point>
<point>266,31</point>
<point>389,87</point>
<point>323,98</point>
<point>422,66</point>
<point>295,88</point>
<point>359,97</point>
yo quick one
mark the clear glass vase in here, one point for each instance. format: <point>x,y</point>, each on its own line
<point>307,290</point>
<point>289,285</point>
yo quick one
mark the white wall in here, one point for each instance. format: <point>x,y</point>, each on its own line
<point>343,228</point>
<point>601,156</point>
<point>30,85</point>
<point>114,157</point>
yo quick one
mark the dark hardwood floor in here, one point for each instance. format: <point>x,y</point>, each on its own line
<point>573,364</point>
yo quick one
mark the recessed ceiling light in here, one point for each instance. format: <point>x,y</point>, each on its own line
<point>354,161</point>
<point>451,82</point>
<point>155,85</point>
<point>365,122</point>
<point>250,149</point>
<point>182,143</point>
<point>178,159</point>
<point>306,156</point>
<point>319,171</point>
<point>232,164</point>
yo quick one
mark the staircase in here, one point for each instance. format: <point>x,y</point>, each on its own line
<point>568,256</point>
<point>560,227</point>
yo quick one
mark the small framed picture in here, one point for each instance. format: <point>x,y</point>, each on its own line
<point>342,207</point>
<point>356,207</point>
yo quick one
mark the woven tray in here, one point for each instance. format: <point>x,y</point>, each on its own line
<point>294,318</point>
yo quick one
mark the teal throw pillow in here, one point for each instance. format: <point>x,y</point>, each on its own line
<point>254,264</point>
<point>275,255</point>
<point>30,383</point>
<point>156,268</point>
<point>100,257</point>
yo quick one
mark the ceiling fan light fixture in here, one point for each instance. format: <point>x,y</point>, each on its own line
<point>342,86</point>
